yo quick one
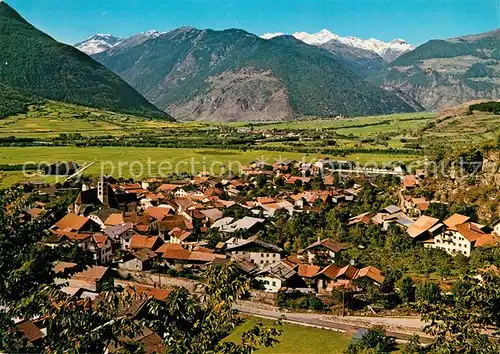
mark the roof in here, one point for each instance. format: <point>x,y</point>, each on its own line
<point>168,187</point>
<point>470,231</point>
<point>242,224</point>
<point>158,294</point>
<point>213,214</point>
<point>30,331</point>
<point>392,209</point>
<point>139,241</point>
<point>252,241</point>
<point>117,230</point>
<point>159,212</point>
<point>173,221</point>
<point>100,239</point>
<point>421,225</point>
<point>222,222</point>
<point>265,200</point>
<point>177,252</point>
<point>144,254</point>
<point>279,270</point>
<point>372,273</point>
<point>92,273</point>
<point>487,240</point>
<point>147,340</point>
<point>114,219</point>
<point>348,271</point>
<point>60,267</point>
<point>456,219</point>
<point>328,243</point>
<point>330,271</point>
<point>364,218</point>
<point>307,270</point>
<point>72,222</point>
<point>410,181</point>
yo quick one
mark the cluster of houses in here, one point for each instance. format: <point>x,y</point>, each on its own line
<point>139,226</point>
<point>455,235</point>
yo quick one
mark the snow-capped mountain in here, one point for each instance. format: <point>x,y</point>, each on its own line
<point>102,42</point>
<point>388,51</point>
<point>97,43</point>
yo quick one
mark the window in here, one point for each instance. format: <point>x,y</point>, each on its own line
<point>267,255</point>
<point>262,254</point>
<point>274,283</point>
<point>261,262</point>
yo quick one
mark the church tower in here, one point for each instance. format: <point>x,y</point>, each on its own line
<point>102,192</point>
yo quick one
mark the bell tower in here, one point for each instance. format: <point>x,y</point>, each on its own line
<point>102,191</point>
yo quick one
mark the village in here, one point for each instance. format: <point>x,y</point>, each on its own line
<point>154,234</point>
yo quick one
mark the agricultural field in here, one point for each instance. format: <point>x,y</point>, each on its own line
<point>53,118</point>
<point>52,132</point>
<point>139,162</point>
<point>298,339</point>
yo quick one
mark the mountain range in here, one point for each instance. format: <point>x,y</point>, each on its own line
<point>197,74</point>
<point>387,51</point>
<point>445,73</point>
<point>235,75</point>
<point>35,66</point>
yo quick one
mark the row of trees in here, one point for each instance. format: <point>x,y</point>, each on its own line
<point>188,323</point>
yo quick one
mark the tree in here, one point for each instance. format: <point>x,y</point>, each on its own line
<point>190,323</point>
<point>428,291</point>
<point>406,288</point>
<point>459,322</point>
<point>373,341</point>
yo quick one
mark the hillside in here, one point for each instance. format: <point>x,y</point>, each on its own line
<point>361,61</point>
<point>234,75</point>
<point>444,73</point>
<point>36,64</point>
<point>12,101</point>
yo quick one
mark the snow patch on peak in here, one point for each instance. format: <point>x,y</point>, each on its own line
<point>319,38</point>
<point>388,51</point>
<point>272,35</point>
<point>97,43</point>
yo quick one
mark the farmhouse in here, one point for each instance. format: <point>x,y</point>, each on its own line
<point>277,276</point>
<point>253,250</point>
<point>323,251</point>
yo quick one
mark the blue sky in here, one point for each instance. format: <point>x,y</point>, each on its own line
<point>413,20</point>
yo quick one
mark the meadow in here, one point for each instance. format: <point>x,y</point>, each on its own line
<point>63,132</point>
<point>132,162</point>
<point>298,339</point>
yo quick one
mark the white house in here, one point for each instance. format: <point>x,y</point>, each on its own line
<point>180,193</point>
<point>461,239</point>
<point>279,275</point>
<point>253,250</point>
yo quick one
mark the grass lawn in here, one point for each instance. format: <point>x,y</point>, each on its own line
<point>298,339</point>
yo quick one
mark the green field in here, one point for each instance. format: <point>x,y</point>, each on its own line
<point>128,146</point>
<point>144,162</point>
<point>298,339</point>
<point>53,118</point>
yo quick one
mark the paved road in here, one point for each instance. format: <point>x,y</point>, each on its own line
<point>317,320</point>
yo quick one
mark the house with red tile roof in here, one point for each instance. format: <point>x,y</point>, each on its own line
<point>424,228</point>
<point>410,181</point>
<point>323,251</point>
<point>461,237</point>
<point>138,242</point>
<point>73,222</point>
